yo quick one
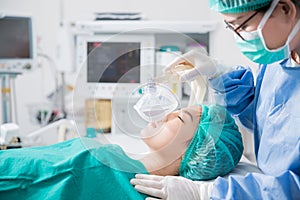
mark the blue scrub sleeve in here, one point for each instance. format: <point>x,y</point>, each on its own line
<point>258,186</point>
<point>276,137</point>
<point>235,90</point>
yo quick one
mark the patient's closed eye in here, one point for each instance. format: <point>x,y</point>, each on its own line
<point>180,119</point>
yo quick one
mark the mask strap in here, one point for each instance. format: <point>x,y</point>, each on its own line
<point>267,14</point>
<point>294,31</point>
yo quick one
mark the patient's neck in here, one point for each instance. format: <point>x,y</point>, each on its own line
<point>159,164</point>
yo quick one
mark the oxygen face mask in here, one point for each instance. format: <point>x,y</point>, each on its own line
<point>156,102</point>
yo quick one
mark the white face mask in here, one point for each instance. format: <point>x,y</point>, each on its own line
<point>254,46</point>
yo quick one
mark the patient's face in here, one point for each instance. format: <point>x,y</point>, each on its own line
<point>174,131</point>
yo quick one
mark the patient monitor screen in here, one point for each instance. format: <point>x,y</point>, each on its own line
<point>113,62</point>
<point>15,37</point>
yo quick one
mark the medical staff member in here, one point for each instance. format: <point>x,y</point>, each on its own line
<point>267,32</point>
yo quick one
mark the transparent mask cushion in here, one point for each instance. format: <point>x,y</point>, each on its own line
<point>156,103</point>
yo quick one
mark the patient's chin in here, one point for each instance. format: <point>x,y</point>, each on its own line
<point>149,132</point>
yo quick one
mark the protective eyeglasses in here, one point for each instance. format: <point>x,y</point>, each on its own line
<point>236,30</point>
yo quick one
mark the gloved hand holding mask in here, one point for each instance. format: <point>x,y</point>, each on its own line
<point>192,64</point>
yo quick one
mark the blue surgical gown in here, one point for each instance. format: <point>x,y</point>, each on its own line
<point>271,109</point>
<point>74,169</point>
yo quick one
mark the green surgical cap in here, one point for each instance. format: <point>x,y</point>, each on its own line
<point>216,147</point>
<point>237,6</point>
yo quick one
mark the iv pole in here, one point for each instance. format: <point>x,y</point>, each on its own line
<point>8,100</point>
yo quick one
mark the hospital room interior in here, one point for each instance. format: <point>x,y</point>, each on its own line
<point>73,68</point>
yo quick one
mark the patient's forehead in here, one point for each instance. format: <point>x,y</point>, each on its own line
<point>194,110</point>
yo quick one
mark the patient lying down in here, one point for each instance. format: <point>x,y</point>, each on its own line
<point>198,142</point>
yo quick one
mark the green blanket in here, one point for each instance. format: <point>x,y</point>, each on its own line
<point>74,169</point>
